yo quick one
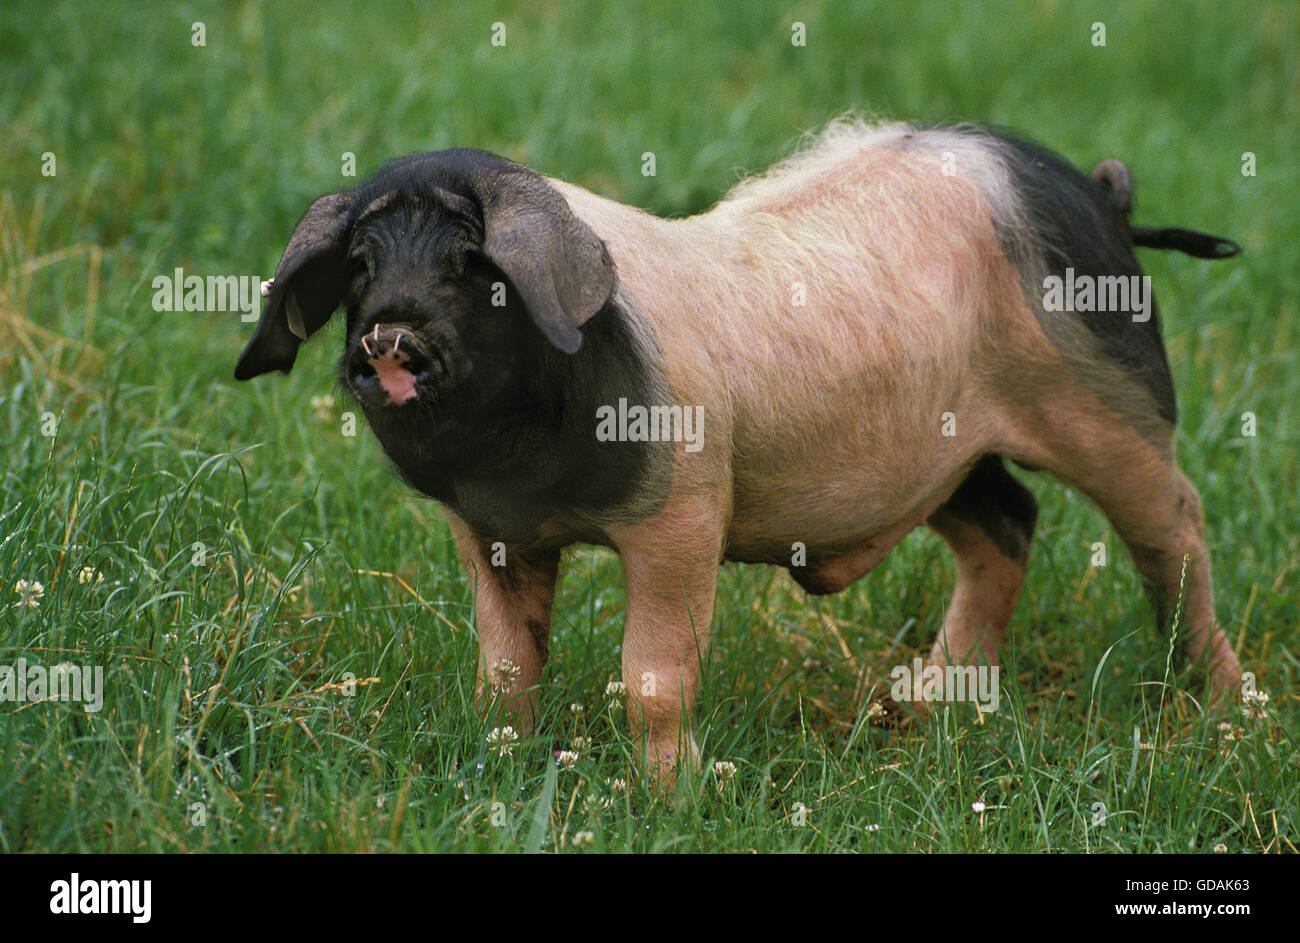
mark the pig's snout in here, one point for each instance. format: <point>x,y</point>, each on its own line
<point>390,366</point>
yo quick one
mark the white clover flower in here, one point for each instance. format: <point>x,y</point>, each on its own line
<point>30,593</point>
<point>567,758</point>
<point>323,407</point>
<point>978,807</point>
<point>616,690</point>
<point>503,676</point>
<point>582,744</point>
<point>576,708</point>
<point>618,785</point>
<point>63,669</point>
<point>1230,733</point>
<point>504,739</point>
<point>583,839</point>
<point>1255,705</point>
<point>88,574</point>
<point>724,770</point>
<point>873,827</point>
<point>1220,849</point>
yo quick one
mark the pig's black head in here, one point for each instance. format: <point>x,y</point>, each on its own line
<point>451,267</point>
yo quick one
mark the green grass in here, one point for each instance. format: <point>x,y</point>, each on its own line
<point>318,561</point>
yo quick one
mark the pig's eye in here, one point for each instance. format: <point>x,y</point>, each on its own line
<point>361,267</point>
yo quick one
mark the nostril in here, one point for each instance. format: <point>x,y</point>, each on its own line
<point>418,363</point>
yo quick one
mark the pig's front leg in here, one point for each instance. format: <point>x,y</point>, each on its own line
<point>671,567</point>
<point>514,588</point>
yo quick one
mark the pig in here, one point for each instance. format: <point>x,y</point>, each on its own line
<point>861,337</point>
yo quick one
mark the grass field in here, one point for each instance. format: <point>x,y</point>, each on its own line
<point>252,554</point>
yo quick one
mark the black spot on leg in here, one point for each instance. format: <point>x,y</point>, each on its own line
<point>527,580</point>
<point>541,634</point>
<point>999,505</point>
<point>509,578</point>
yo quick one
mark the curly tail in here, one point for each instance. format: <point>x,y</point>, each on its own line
<point>1114,176</point>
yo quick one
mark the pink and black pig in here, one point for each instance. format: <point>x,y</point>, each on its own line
<point>845,348</point>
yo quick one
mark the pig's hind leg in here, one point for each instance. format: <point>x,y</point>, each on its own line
<point>989,524</point>
<point>1157,512</point>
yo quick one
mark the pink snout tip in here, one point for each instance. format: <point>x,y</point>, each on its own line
<point>397,381</point>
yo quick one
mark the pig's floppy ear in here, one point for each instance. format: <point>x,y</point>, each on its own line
<point>559,266</point>
<point>307,288</point>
